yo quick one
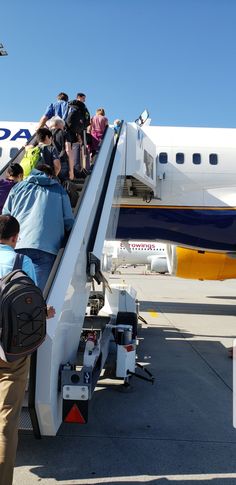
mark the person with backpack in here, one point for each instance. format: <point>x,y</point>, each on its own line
<point>14,174</point>
<point>13,375</point>
<point>85,154</point>
<point>82,98</point>
<point>62,143</point>
<point>43,209</point>
<point>77,121</point>
<point>43,151</point>
<point>59,108</point>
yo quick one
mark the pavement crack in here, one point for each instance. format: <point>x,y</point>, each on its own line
<point>146,438</point>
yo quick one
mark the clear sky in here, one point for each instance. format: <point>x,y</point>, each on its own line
<point>177,58</point>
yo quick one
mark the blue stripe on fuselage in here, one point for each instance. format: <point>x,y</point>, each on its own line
<point>209,228</point>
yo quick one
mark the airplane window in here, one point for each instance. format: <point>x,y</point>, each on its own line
<point>0,151</point>
<point>213,158</point>
<point>179,157</point>
<point>163,158</point>
<point>196,158</point>
<point>13,152</point>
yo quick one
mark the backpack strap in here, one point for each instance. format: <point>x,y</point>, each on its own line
<point>18,261</point>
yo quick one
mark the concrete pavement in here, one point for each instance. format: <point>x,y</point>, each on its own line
<point>177,431</point>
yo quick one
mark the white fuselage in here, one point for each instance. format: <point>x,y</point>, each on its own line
<point>13,136</point>
<point>190,166</point>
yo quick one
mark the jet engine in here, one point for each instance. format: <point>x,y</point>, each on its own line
<point>157,264</point>
<point>200,264</point>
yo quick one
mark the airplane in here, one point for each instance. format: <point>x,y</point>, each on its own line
<point>151,254</point>
<point>177,185</point>
<point>191,202</point>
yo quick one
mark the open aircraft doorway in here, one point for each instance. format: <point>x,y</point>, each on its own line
<point>143,119</point>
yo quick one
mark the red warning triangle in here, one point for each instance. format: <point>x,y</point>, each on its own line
<point>74,416</point>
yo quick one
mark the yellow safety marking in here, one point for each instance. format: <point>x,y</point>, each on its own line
<point>153,313</point>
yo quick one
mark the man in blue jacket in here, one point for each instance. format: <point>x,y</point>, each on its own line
<point>43,210</point>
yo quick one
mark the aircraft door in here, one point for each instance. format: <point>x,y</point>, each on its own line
<point>163,171</point>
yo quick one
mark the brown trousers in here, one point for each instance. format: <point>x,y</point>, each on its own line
<point>13,378</point>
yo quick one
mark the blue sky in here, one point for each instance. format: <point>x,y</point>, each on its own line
<point>175,57</point>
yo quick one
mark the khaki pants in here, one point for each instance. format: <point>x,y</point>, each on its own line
<point>13,378</point>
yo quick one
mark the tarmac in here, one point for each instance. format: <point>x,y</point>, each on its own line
<point>177,431</point>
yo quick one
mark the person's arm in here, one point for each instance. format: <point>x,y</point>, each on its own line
<point>68,150</point>
<point>87,116</point>
<point>57,166</point>
<point>7,208</point>
<point>28,267</point>
<point>67,211</point>
<point>42,122</point>
<point>55,160</point>
<point>47,116</point>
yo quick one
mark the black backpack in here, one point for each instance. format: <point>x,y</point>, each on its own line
<point>76,120</point>
<point>22,313</point>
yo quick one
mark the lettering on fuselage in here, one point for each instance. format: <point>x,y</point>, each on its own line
<point>22,134</point>
<point>145,246</point>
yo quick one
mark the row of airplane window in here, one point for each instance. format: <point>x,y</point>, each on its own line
<point>13,151</point>
<point>196,158</point>
<point>163,157</point>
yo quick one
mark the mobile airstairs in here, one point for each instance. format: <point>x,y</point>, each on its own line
<point>65,369</point>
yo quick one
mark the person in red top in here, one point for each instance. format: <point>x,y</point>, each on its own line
<point>99,122</point>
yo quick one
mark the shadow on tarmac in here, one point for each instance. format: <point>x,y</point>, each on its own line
<point>223,297</point>
<point>180,426</point>
<point>188,308</point>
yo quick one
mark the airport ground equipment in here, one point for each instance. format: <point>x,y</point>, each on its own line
<point>69,290</point>
<point>103,335</point>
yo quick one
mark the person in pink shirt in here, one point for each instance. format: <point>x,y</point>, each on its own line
<point>99,122</point>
